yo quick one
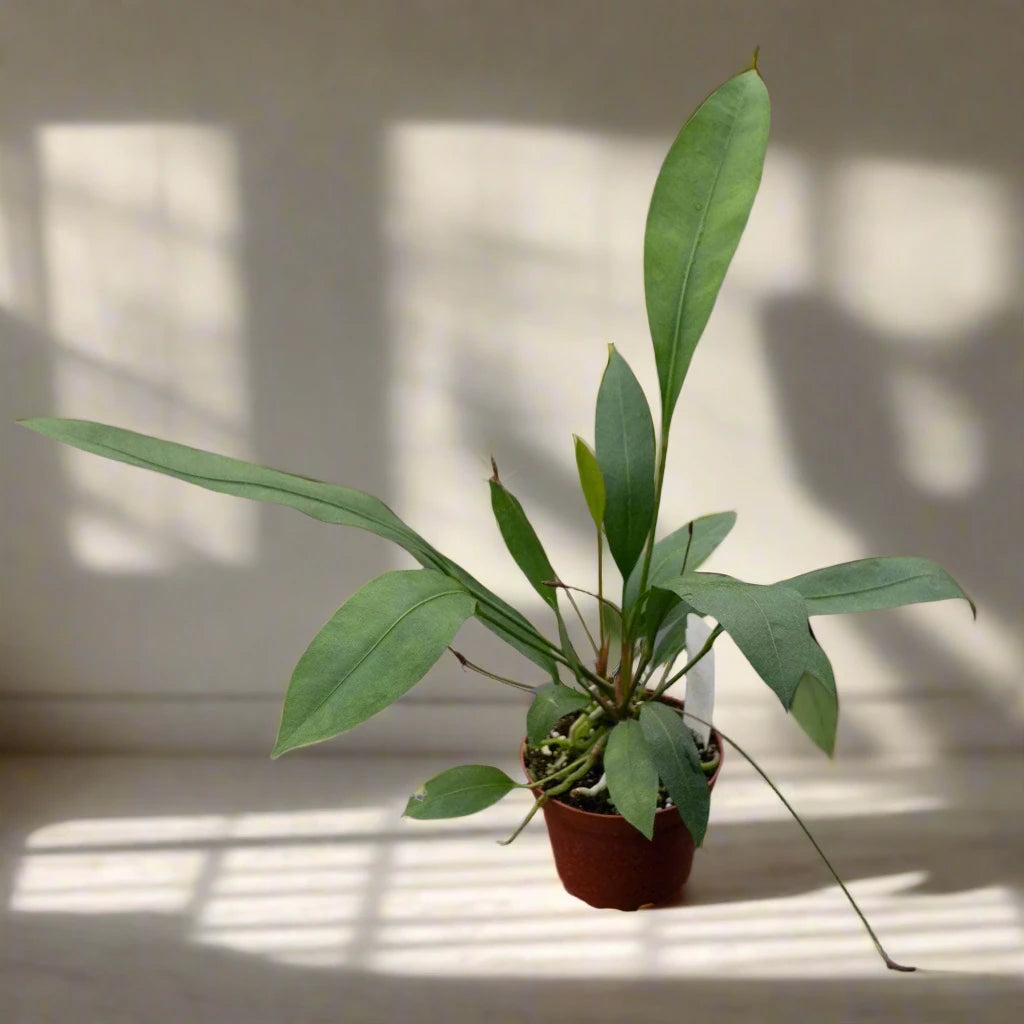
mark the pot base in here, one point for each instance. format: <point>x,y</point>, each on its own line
<point>604,861</point>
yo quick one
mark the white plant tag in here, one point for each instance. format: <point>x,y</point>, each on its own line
<point>700,680</point>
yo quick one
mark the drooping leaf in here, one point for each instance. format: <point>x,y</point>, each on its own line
<point>624,444</point>
<point>328,503</point>
<point>669,553</point>
<point>459,791</point>
<point>816,703</point>
<point>872,584</point>
<point>550,703</point>
<point>632,776</point>
<point>767,623</point>
<point>677,760</point>
<point>522,541</point>
<point>591,481</point>
<point>700,680</point>
<point>700,205</point>
<point>377,646</point>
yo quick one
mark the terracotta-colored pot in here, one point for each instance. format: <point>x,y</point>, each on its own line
<point>604,861</point>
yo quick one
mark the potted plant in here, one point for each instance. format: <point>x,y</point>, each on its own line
<point>601,733</point>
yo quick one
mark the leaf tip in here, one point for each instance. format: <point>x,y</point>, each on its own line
<point>494,471</point>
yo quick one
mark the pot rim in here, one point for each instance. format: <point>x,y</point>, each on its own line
<point>658,813</point>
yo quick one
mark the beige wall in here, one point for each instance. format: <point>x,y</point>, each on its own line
<point>376,242</point>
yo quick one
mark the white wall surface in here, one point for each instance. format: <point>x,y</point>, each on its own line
<point>378,242</point>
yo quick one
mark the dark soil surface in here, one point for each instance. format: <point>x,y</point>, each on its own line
<point>539,765</point>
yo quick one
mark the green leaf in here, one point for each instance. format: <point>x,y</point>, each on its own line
<point>671,635</point>
<point>551,703</point>
<point>522,541</point>
<point>667,558</point>
<point>460,791</point>
<point>677,760</point>
<point>624,443</point>
<point>591,481</point>
<point>816,703</point>
<point>871,584</point>
<point>767,623</point>
<point>328,503</point>
<point>632,776</point>
<point>700,205</point>
<point>378,645</point>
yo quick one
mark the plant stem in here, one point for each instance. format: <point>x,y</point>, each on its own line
<point>708,644</point>
<point>600,586</point>
<point>466,663</point>
<point>583,621</point>
<point>571,766</point>
<point>580,590</point>
<point>561,788</point>
<point>659,483</point>
<point>537,805</point>
<point>889,962</point>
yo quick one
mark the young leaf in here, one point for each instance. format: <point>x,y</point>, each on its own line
<point>767,623</point>
<point>632,776</point>
<point>816,703</point>
<point>668,554</point>
<point>624,443</point>
<point>328,503</point>
<point>459,791</point>
<point>551,703</point>
<point>871,584</point>
<point>700,680</point>
<point>677,760</point>
<point>522,541</point>
<point>591,481</point>
<point>700,205</point>
<point>378,645</point>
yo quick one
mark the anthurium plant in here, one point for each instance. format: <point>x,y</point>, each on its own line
<point>600,709</point>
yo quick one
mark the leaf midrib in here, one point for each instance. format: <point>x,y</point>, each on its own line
<point>868,590</point>
<point>688,270</point>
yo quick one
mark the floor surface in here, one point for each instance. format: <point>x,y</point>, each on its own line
<point>235,889</point>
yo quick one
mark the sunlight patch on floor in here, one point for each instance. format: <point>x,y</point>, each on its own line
<point>359,888</point>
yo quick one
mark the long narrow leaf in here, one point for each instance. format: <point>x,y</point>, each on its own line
<point>326,502</point>
<point>767,623</point>
<point>699,208</point>
<point>624,445</point>
<point>378,645</point>
<point>677,759</point>
<point>872,584</point>
<point>522,541</point>
<point>632,776</point>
